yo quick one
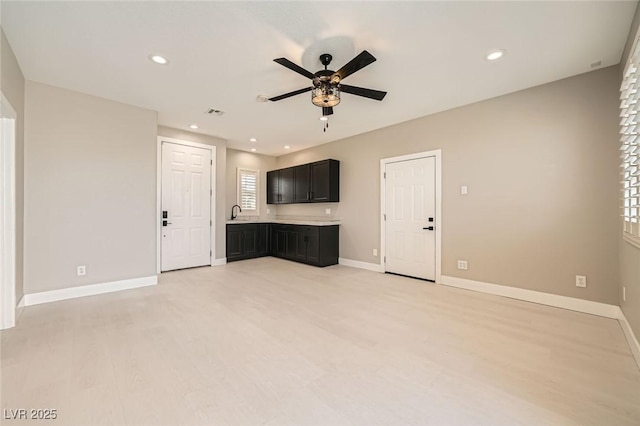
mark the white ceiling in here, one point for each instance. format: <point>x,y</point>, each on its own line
<point>430,57</point>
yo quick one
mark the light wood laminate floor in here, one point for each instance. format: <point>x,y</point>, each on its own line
<point>272,342</point>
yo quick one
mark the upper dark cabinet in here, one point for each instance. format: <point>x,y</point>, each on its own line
<point>302,184</point>
<point>273,191</point>
<point>317,182</point>
<point>280,186</point>
<point>286,185</point>
<point>325,181</point>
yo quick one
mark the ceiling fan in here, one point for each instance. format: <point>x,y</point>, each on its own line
<point>327,84</point>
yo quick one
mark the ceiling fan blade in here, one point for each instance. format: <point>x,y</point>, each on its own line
<point>288,95</point>
<point>293,67</point>
<point>327,111</point>
<point>378,95</point>
<point>362,60</point>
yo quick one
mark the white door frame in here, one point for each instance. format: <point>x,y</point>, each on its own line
<point>438,219</point>
<point>212,243</point>
<point>8,118</point>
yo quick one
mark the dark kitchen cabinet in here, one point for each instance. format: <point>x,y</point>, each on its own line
<point>314,245</point>
<point>301,184</point>
<point>325,181</point>
<point>273,191</point>
<point>246,241</point>
<point>280,186</point>
<point>308,183</point>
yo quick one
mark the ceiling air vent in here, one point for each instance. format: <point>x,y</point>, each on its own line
<point>214,111</point>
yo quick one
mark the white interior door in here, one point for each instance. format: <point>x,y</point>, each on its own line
<point>410,206</point>
<point>186,202</point>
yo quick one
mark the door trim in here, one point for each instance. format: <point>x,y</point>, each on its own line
<point>212,242</point>
<point>8,117</point>
<point>437,153</point>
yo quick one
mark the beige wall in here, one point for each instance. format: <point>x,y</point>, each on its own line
<point>90,189</point>
<point>541,166</point>
<point>221,189</point>
<point>630,255</point>
<point>12,87</point>
<point>252,161</point>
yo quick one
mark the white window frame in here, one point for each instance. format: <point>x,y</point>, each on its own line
<point>630,147</point>
<point>246,212</point>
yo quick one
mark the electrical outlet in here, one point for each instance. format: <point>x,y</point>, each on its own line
<point>624,294</point>
<point>581,281</point>
<point>327,211</point>
<point>82,270</point>
<point>463,190</point>
<point>462,264</point>
<point>375,252</point>
<point>268,211</point>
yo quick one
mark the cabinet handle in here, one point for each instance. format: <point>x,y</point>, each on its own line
<point>308,196</point>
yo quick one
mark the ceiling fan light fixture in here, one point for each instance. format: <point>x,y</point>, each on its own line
<point>324,118</point>
<point>325,95</point>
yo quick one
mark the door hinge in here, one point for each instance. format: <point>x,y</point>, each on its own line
<point>385,216</point>
<point>210,191</point>
<point>385,259</point>
<point>210,253</point>
<point>385,175</point>
<point>211,162</point>
<point>210,222</point>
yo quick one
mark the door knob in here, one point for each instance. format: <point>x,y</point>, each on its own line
<point>429,228</point>
<point>165,223</point>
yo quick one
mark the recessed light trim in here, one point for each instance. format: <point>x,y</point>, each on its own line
<point>287,147</point>
<point>253,140</point>
<point>253,150</point>
<point>159,59</point>
<point>193,126</point>
<point>495,54</point>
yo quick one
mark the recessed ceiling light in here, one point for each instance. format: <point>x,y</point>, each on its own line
<point>495,54</point>
<point>253,150</point>
<point>324,118</point>
<point>193,126</point>
<point>287,147</point>
<point>159,59</point>
<point>253,140</point>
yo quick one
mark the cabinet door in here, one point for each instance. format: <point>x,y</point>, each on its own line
<point>313,245</point>
<point>234,241</point>
<point>325,181</point>
<point>280,242</point>
<point>263,239</point>
<point>302,240</point>
<point>301,185</point>
<point>272,187</point>
<point>292,244</point>
<point>250,240</point>
<point>285,185</point>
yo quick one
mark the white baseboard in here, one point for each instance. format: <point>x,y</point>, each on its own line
<point>631,337</point>
<point>87,290</point>
<point>219,262</point>
<point>20,308</point>
<point>361,265</point>
<point>571,303</point>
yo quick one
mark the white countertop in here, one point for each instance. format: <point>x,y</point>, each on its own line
<point>309,222</point>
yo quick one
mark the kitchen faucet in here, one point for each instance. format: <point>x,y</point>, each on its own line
<point>233,216</point>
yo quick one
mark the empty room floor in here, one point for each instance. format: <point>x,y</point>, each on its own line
<point>272,342</point>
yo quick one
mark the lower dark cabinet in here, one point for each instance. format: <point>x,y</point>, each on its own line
<point>313,245</point>
<point>246,241</point>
